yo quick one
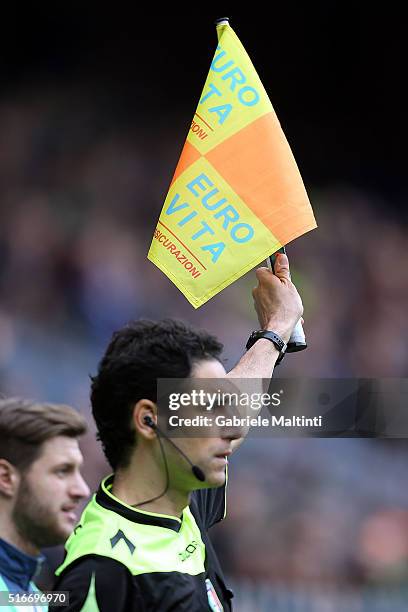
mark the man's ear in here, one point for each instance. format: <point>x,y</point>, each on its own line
<point>144,408</point>
<point>9,479</point>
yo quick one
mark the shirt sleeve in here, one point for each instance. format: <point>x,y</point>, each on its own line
<point>211,504</point>
<point>98,584</point>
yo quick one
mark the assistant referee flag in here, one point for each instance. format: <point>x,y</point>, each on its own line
<point>237,195</point>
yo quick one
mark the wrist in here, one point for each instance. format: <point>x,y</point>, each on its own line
<point>280,328</point>
<point>271,336</point>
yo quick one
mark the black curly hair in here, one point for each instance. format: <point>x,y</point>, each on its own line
<point>139,354</point>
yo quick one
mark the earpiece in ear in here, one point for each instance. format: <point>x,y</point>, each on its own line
<point>149,421</point>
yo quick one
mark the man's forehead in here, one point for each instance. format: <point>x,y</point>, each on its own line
<point>221,390</point>
<point>208,368</point>
<point>60,448</point>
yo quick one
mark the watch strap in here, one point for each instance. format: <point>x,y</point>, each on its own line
<point>279,343</point>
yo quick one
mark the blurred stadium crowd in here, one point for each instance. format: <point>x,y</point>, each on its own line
<point>80,191</point>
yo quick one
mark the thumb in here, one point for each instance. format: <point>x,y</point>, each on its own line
<point>281,267</point>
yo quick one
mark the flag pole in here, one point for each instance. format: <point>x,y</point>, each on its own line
<point>222,21</point>
<point>297,341</point>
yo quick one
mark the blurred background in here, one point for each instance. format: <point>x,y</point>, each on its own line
<point>94,110</point>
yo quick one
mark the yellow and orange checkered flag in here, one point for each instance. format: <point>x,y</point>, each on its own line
<point>237,195</point>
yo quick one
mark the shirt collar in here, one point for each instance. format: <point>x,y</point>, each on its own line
<point>17,565</point>
<point>107,500</point>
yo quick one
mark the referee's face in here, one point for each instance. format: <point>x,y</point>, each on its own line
<point>209,453</point>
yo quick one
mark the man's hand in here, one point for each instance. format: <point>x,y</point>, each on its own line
<point>279,308</point>
<point>277,302</point>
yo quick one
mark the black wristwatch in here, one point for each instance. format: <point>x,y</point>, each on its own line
<point>269,335</point>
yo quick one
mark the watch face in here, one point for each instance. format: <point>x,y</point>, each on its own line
<point>251,340</point>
